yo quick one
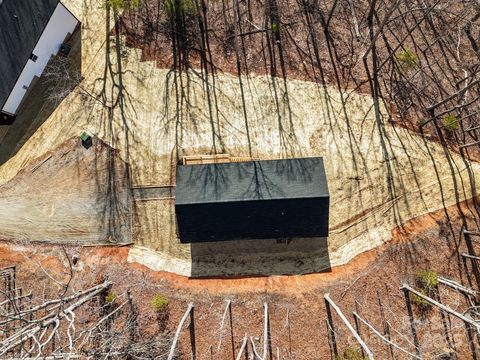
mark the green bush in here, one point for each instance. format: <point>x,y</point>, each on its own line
<point>420,302</point>
<point>450,122</point>
<point>110,298</point>
<point>122,4</point>
<point>427,280</point>
<point>351,353</point>
<point>407,59</point>
<point>275,27</point>
<point>159,303</point>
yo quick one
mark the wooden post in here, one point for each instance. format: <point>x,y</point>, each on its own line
<point>472,256</point>
<point>412,321</point>
<point>289,336</point>
<point>357,327</point>
<point>386,327</point>
<point>331,329</point>
<point>222,323</point>
<point>242,348</point>
<point>232,341</point>
<point>349,326</point>
<point>265,331</point>
<point>265,336</point>
<point>444,320</point>
<point>471,341</point>
<point>177,333</point>
<point>192,334</point>
<point>388,341</point>
<point>456,286</point>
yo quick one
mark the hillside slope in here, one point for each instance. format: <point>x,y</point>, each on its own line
<point>379,175</point>
<point>70,195</point>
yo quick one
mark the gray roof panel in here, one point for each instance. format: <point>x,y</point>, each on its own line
<point>251,181</point>
<point>21,25</point>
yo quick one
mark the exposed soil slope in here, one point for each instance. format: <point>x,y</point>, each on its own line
<point>70,194</point>
<point>429,242</point>
<point>380,176</point>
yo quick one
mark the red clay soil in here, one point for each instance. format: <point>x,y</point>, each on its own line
<point>296,304</point>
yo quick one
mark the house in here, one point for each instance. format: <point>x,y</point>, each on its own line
<point>269,199</point>
<point>31,32</point>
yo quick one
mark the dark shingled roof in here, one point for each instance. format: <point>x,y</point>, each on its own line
<point>251,181</point>
<point>21,25</point>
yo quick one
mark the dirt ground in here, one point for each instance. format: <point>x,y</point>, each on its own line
<point>74,193</point>
<point>294,40</point>
<point>379,175</point>
<point>297,310</point>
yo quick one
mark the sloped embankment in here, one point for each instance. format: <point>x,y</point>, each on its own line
<point>380,176</point>
<point>71,194</point>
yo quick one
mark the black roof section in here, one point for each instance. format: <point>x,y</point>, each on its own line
<point>21,25</point>
<point>251,181</point>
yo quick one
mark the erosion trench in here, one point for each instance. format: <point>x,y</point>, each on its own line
<point>379,175</point>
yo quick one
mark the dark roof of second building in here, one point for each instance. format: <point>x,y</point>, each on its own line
<point>251,181</point>
<point>21,25</point>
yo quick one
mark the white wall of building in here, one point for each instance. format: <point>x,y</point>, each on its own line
<point>60,24</point>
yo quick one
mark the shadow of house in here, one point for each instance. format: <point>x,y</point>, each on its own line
<point>36,34</point>
<point>261,257</point>
<point>275,211</point>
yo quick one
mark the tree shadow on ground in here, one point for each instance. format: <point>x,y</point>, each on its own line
<point>38,104</point>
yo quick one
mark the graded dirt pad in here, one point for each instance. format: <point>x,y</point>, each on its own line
<point>297,311</point>
<point>73,194</point>
<point>380,176</point>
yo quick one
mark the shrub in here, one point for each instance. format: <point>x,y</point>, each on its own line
<point>407,59</point>
<point>275,27</point>
<point>421,303</point>
<point>450,122</point>
<point>122,4</point>
<point>110,298</point>
<point>351,353</point>
<point>426,281</point>
<point>159,303</point>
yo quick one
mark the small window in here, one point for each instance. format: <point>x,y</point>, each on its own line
<point>33,57</point>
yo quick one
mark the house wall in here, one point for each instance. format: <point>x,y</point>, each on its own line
<point>59,26</point>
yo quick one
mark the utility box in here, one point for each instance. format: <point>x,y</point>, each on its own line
<point>86,138</point>
<point>252,200</point>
